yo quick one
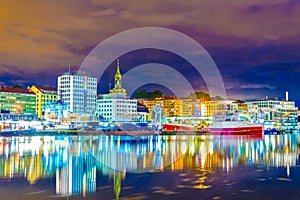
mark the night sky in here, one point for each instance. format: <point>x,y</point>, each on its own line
<point>254,43</point>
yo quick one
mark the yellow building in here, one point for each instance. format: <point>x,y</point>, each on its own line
<point>172,106</point>
<point>242,107</point>
<point>209,108</point>
<point>187,107</point>
<point>43,96</point>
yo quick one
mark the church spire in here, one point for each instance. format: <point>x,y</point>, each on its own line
<point>118,82</point>
<point>118,75</point>
<point>118,67</point>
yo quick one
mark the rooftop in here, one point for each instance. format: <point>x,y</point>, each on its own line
<point>77,73</point>
<point>165,98</point>
<point>15,90</point>
<point>47,88</point>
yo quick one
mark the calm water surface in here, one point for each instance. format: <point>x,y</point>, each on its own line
<point>157,167</point>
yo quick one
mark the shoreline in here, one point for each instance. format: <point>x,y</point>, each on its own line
<point>104,133</point>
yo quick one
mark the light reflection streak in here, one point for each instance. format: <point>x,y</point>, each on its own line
<point>65,157</point>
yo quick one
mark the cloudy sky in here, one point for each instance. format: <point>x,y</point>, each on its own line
<point>254,43</point>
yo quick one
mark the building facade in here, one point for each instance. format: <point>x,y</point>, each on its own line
<point>115,106</point>
<point>55,111</point>
<point>173,106</point>
<point>17,100</point>
<point>44,95</point>
<point>117,109</point>
<point>170,105</point>
<point>188,107</point>
<point>79,92</point>
<point>210,108</point>
<point>275,113</point>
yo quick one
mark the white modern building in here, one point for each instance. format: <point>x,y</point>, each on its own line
<point>115,106</point>
<point>78,91</point>
<point>117,109</point>
<point>275,113</point>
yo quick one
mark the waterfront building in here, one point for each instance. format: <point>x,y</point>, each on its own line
<point>189,107</point>
<point>209,108</point>
<point>116,109</point>
<point>241,106</point>
<point>43,95</point>
<point>275,113</point>
<point>171,105</point>
<point>17,100</point>
<point>79,92</point>
<point>13,121</point>
<point>186,107</point>
<point>55,111</point>
<point>8,117</point>
<point>197,108</point>
<point>116,106</point>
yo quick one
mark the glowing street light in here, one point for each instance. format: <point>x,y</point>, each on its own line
<point>19,108</point>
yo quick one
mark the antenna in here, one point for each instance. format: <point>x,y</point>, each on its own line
<point>109,86</point>
<point>69,68</point>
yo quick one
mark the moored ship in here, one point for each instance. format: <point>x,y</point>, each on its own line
<point>178,127</point>
<point>130,129</point>
<point>222,125</point>
<point>236,128</point>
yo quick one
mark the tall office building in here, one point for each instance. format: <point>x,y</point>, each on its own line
<point>78,91</point>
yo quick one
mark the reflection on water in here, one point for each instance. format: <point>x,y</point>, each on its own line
<point>74,161</point>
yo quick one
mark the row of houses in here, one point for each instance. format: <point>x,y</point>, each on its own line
<point>76,96</point>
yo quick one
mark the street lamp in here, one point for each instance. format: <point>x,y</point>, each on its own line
<point>19,108</point>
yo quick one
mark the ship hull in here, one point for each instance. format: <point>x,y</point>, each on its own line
<point>236,128</point>
<point>175,127</point>
<point>125,133</point>
<point>236,131</point>
<point>223,128</point>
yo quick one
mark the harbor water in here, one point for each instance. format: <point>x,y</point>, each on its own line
<point>152,167</point>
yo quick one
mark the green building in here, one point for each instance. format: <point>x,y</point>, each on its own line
<point>17,100</point>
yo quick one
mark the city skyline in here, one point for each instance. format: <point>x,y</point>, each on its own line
<point>255,45</point>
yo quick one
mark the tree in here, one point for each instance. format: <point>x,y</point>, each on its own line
<point>200,95</point>
<point>156,93</point>
<point>143,94</point>
<point>217,98</point>
<point>17,86</point>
